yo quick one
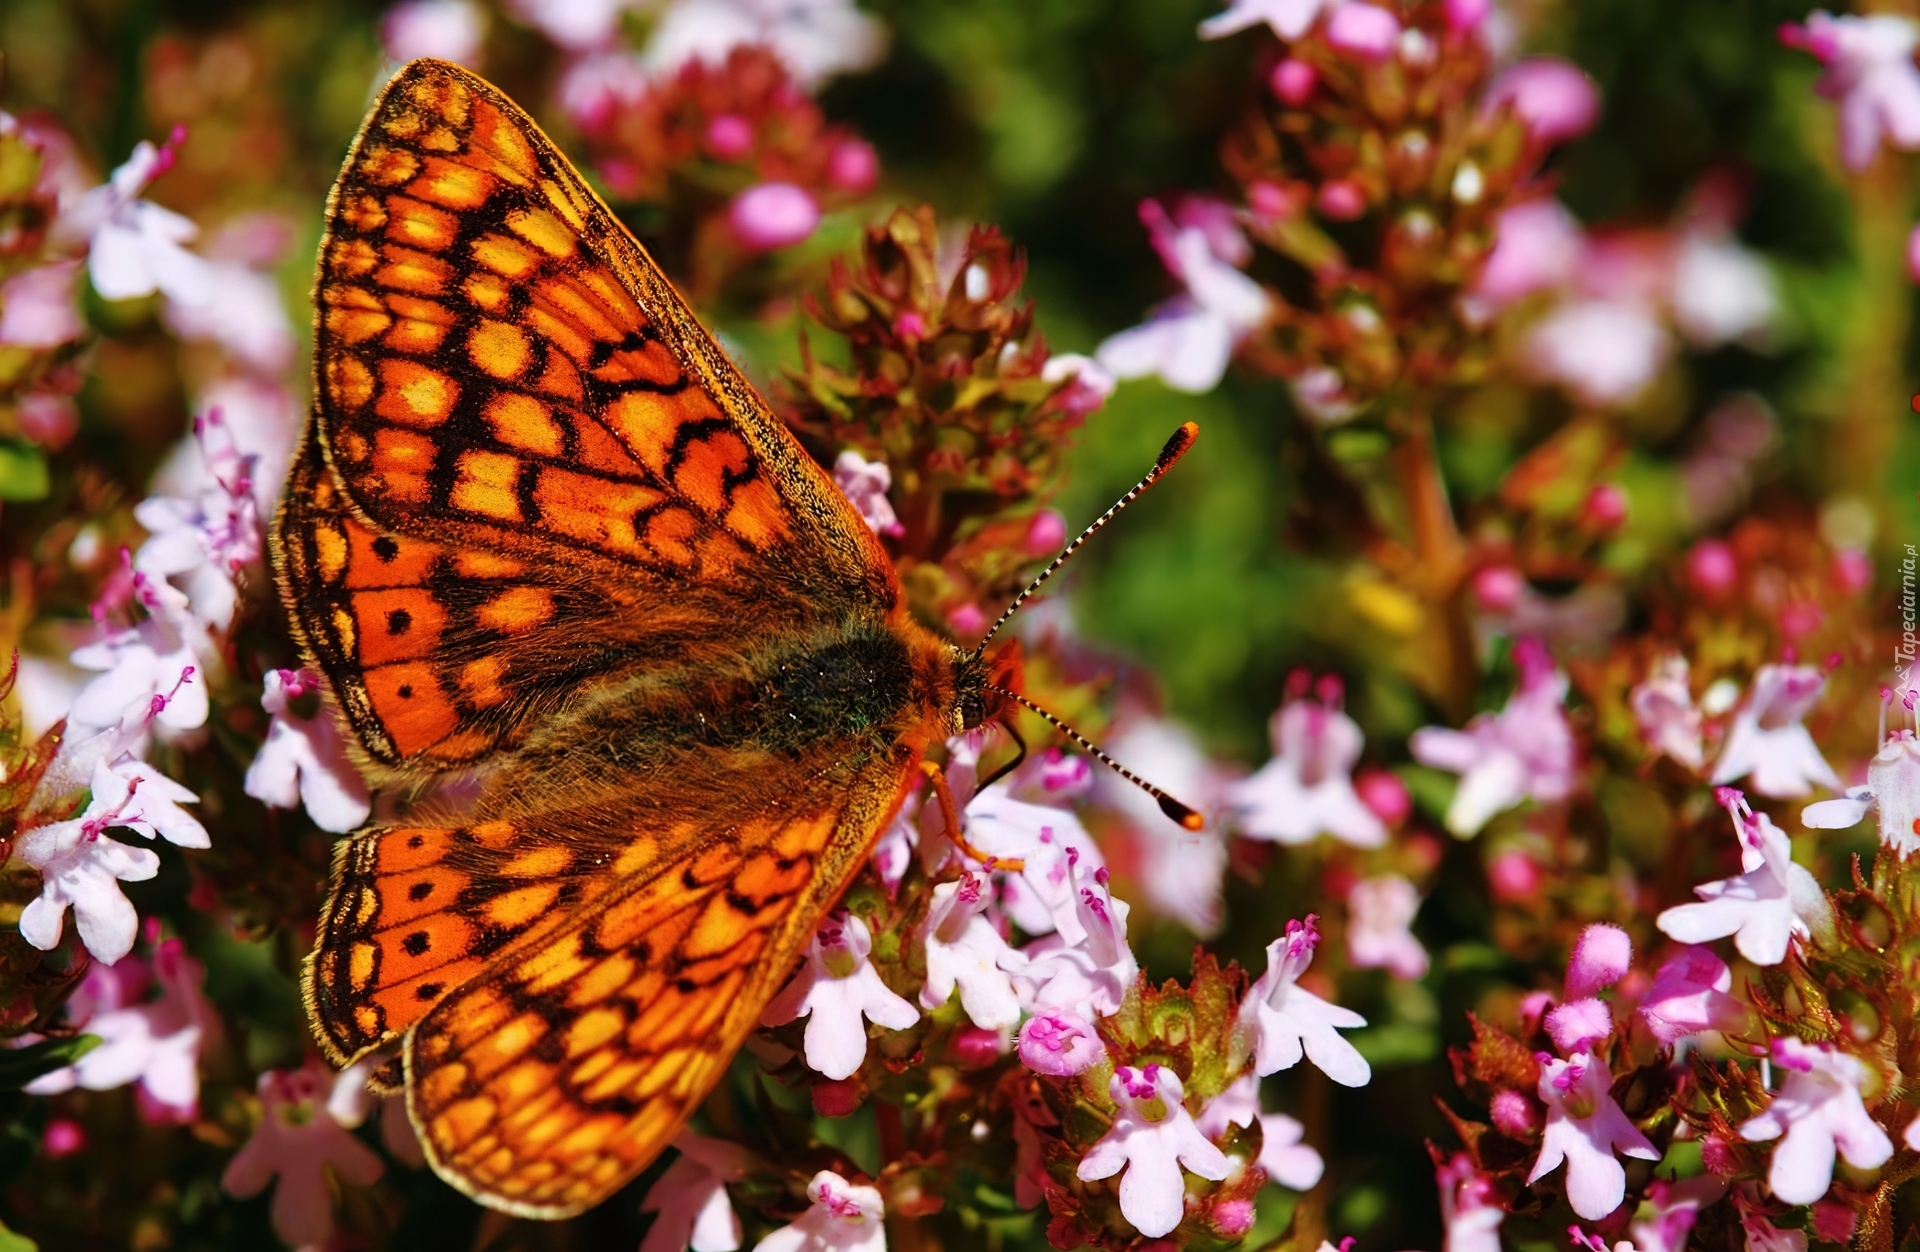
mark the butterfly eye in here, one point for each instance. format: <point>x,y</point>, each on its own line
<point>973,710</point>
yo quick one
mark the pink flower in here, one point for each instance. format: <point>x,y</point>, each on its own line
<point>1307,788</point>
<point>448,29</point>
<point>1046,532</point>
<point>837,991</point>
<point>1379,912</point>
<point>844,1218</point>
<point>1584,1129</point>
<point>866,483</point>
<point>1601,957</point>
<point>1283,1156</point>
<point>1525,751</point>
<point>1690,995</point>
<point>155,1044</point>
<point>853,166</point>
<point>133,245</point>
<point>1293,81</point>
<point>1554,99</point>
<point>1722,293</point>
<point>1181,872</point>
<point>1892,790</point>
<point>1663,706</point>
<point>1088,384</point>
<point>1046,838</point>
<point>1818,1111</point>
<point>152,661</point>
<point>1764,907</point>
<point>1605,351</point>
<point>1287,1021</point>
<point>1059,1043</point>
<point>814,39</point>
<point>1870,71</point>
<point>598,85</point>
<point>37,308</point>
<point>1289,19</point>
<point>1087,969</point>
<point>1152,1136</point>
<point>773,215</point>
<point>691,1198</point>
<point>965,949</point>
<point>1767,742</point>
<point>576,25</point>
<point>1671,1210</point>
<point>298,1141</point>
<point>1580,1025</point>
<point>1537,246</point>
<point>1364,31</point>
<point>304,759</point>
<point>1468,1209</point>
<point>1188,340</point>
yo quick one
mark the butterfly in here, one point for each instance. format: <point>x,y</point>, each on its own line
<point>540,529</point>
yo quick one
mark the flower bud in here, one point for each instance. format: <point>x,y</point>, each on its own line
<point>773,215</point>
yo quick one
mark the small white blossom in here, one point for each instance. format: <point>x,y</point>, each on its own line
<point>1287,1021</point>
<point>1379,914</point>
<point>1307,788</point>
<point>1584,1129</point>
<point>1816,1112</point>
<point>1283,1156</point>
<point>1669,721</point>
<point>691,1198</point>
<point>1468,1207</point>
<point>814,39</point>
<point>1892,791</point>
<point>844,1218</point>
<point>304,759</point>
<point>1767,741</point>
<point>298,1141</point>
<point>1152,1137</point>
<point>133,245</point>
<point>966,950</point>
<point>1765,907</point>
<point>1289,19</point>
<point>838,992</point>
<point>1181,872</point>
<point>1088,976</point>
<point>1525,751</point>
<point>154,661</point>
<point>1188,340</point>
<point>866,483</point>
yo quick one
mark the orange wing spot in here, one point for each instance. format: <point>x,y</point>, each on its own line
<point>416,893</point>
<point>804,837</point>
<point>500,349</point>
<point>406,848</point>
<point>563,203</point>
<point>668,532</point>
<point>593,1028</point>
<point>516,610</point>
<point>592,510</point>
<point>403,125</point>
<point>442,96</point>
<point>440,139</point>
<point>468,745</point>
<point>349,382</point>
<point>647,424</point>
<point>480,682</point>
<point>414,395</point>
<point>411,707</point>
<point>612,293</point>
<point>458,1125</point>
<point>493,834</point>
<point>561,379</point>
<point>391,560</point>
<point>343,629</point>
<point>422,325</point>
<point>353,313</point>
<point>650,364</point>
<point>524,1081</point>
<point>659,911</point>
<point>553,966</point>
<point>523,422</point>
<point>420,225</point>
<point>329,552</point>
<point>519,908</point>
<point>401,462</point>
<point>720,927</point>
<point>388,166</point>
<point>715,865</point>
<point>408,270</point>
<point>487,291</point>
<point>538,863</point>
<point>544,231</point>
<point>496,137</point>
<point>405,1003</point>
<point>443,1084</point>
<point>426,943</point>
<point>486,483</point>
<point>602,980</point>
<point>363,213</point>
<point>352,258</point>
<point>509,258</point>
<point>397,625</point>
<point>574,301</point>
<point>561,331</point>
<point>763,879</point>
<point>478,564</point>
<point>635,857</point>
<point>741,951</point>
<point>452,185</point>
<point>596,449</point>
<point>701,474</point>
<point>757,515</point>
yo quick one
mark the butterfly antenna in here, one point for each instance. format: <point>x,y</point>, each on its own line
<point>1179,812</point>
<point>1175,449</point>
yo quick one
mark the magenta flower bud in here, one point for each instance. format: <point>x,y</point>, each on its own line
<point>1853,569</point>
<point>910,325</point>
<point>1384,794</point>
<point>1292,82</point>
<point>48,419</point>
<point>974,1047</point>
<point>1606,506</point>
<point>1513,1114</point>
<point>1342,200</point>
<point>1498,588</point>
<point>1365,31</point>
<point>1578,1026</point>
<point>63,1137</point>
<point>840,1098</point>
<point>1601,957</point>
<point>853,166</point>
<point>1047,533</point>
<point>729,136</point>
<point>1833,1222</point>
<point>967,620</point>
<point>1553,99</point>
<point>1233,1218</point>
<point>1513,875</point>
<point>1060,1043</point>
<point>1913,255</point>
<point>1464,16</point>
<point>773,215</point>
<point>1712,567</point>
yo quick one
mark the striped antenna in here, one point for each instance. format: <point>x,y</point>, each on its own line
<point>1168,805</point>
<point>1175,449</point>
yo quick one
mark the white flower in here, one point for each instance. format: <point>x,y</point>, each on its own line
<point>1892,790</point>
<point>1584,1129</point>
<point>239,422</point>
<point>1188,340</point>
<point>1040,896</point>
<point>1669,721</point>
<point>814,39</point>
<point>1287,1021</point>
<point>1524,751</point>
<point>1307,788</point>
<point>298,1141</point>
<point>966,950</point>
<point>244,315</point>
<point>576,25</point>
<point>205,541</point>
<point>1289,19</point>
<point>1087,976</point>
<point>691,1198</point>
<point>1285,1159</point>
<point>1604,351</point>
<point>1721,291</point>
<point>156,1044</point>
<point>1379,912</point>
<point>1767,741</point>
<point>135,795</point>
<point>1870,71</point>
<point>1181,871</point>
<point>1764,907</point>
<point>144,664</point>
<point>133,245</point>
<point>838,991</point>
<point>304,760</point>
<point>37,308</point>
<point>866,483</point>
<point>1468,1209</point>
<point>1088,385</point>
<point>1152,1136</point>
<point>1671,1210</point>
<point>844,1218</point>
<point>1818,1111</point>
<point>448,29</point>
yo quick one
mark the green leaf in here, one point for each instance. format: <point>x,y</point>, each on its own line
<point>11,1242</point>
<point>20,1066</point>
<point>23,472</point>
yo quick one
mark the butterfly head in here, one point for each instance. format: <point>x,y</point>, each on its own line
<point>981,681</point>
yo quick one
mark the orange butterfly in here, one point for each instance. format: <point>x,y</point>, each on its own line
<point>540,524</point>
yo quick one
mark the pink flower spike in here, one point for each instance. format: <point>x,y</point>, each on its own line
<point>1584,1130</point>
<point>1059,1043</point>
<point>1554,99</point>
<point>1293,81</point>
<point>773,215</point>
<point>1579,1026</point>
<point>1601,957</point>
<point>1690,995</point>
<point>1152,1137</point>
<point>1816,1112</point>
<point>1365,31</point>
